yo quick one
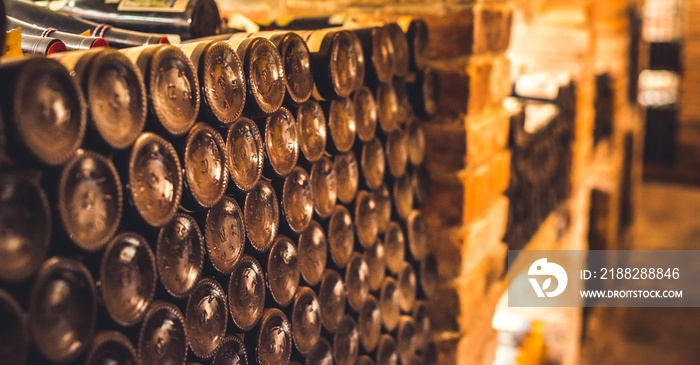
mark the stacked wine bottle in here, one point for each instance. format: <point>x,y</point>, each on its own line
<point>243,198</point>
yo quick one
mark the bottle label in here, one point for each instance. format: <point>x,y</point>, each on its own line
<point>54,5</point>
<point>13,43</point>
<point>163,6</point>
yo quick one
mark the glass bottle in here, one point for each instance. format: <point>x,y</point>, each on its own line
<point>346,340</point>
<point>312,130</point>
<point>417,232</point>
<point>321,354</point>
<point>388,108</point>
<point>41,46</point>
<point>406,339</point>
<point>312,253</point>
<point>324,187</point>
<point>204,164</point>
<point>428,275</point>
<point>62,309</point>
<point>403,196</point>
<point>245,154</point>
<point>274,340</point>
<point>372,163</point>
<point>341,236</point>
<point>73,42</point>
<point>43,110</point>
<point>348,176</point>
<point>369,324</point>
<point>246,293</point>
<point>397,153</point>
<point>221,79</point>
<point>111,347</point>
<point>366,219</point>
<point>357,281</point>
<point>179,255</point>
<point>224,234</point>
<point>283,271</point>
<point>365,114</point>
<point>375,258</point>
<point>281,142</point>
<point>89,199</point>
<point>394,247</point>
<point>127,278</point>
<point>114,90</point>
<point>341,124</point>
<point>154,179</point>
<point>386,351</point>
<point>407,284</point>
<point>25,226</point>
<point>331,298</point>
<point>171,84</point>
<point>163,336</point>
<point>206,317</point>
<point>306,320</point>
<point>232,351</point>
<point>389,303</point>
<point>261,215</point>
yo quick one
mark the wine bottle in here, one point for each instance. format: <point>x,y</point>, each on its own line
<point>62,309</point>
<point>394,247</point>
<point>204,165</point>
<point>154,179</point>
<point>375,258</point>
<point>357,281</point>
<point>346,342</point>
<point>245,154</point>
<point>224,234</point>
<point>179,255</point>
<point>396,150</point>
<point>415,142</point>
<point>115,93</point>
<point>273,343</point>
<point>401,49</point>
<point>311,123</point>
<point>163,337</point>
<point>172,86</point>
<point>386,351</point>
<point>283,271</point>
<point>297,64</point>
<point>388,108</point>
<point>348,175</point>
<point>261,215</point>
<point>246,293</point>
<point>322,353</point>
<point>365,114</point>
<point>231,351</point>
<point>366,219</point>
<point>402,192</point>
<point>26,221</point>
<point>324,187</point>
<point>188,19</point>
<point>340,114</point>
<point>297,200</point>
<point>331,299</point>
<point>118,38</point>
<point>373,164</point>
<point>14,344</point>
<point>89,200</point>
<point>341,236</point>
<point>281,142</point>
<point>221,79</point>
<point>428,275</point>
<point>420,183</point>
<point>43,110</point>
<point>73,42</point>
<point>421,317</point>
<point>405,340</point>
<point>128,278</point>
<point>417,234</point>
<point>407,284</point>
<point>369,324</point>
<point>389,304</point>
<point>337,62</point>
<point>416,32</point>
<point>378,50</point>
<point>206,317</point>
<point>306,320</point>
<point>423,88</point>
<point>312,260</point>
<point>364,360</point>
<point>264,73</point>
<point>382,200</point>
<point>41,46</point>
<point>111,347</point>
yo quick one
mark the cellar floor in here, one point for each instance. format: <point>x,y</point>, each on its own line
<point>668,217</point>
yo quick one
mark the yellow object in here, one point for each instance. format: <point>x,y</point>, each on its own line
<point>13,43</point>
<point>533,348</point>
<point>86,33</point>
